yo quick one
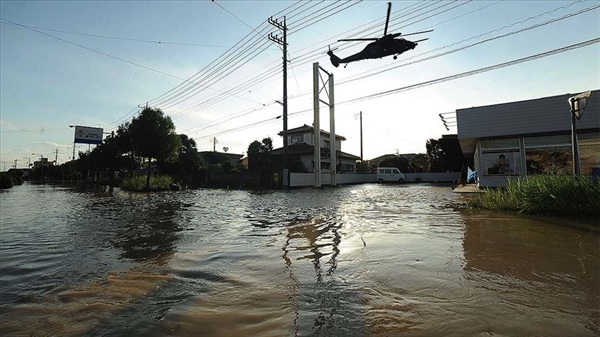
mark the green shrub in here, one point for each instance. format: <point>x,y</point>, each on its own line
<point>138,183</point>
<point>545,194</point>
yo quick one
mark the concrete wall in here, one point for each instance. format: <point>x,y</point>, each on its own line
<point>307,179</point>
<point>432,177</point>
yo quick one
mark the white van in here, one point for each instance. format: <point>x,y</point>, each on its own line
<point>389,174</point>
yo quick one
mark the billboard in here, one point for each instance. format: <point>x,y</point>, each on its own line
<point>87,135</point>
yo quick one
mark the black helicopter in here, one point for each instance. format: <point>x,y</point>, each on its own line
<point>380,47</point>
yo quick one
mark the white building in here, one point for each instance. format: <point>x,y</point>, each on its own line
<point>518,139</point>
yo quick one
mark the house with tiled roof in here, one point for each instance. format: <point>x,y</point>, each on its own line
<point>301,151</point>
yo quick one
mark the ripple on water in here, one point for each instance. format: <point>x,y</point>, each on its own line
<point>348,261</point>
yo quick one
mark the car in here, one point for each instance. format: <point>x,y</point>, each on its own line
<point>389,174</point>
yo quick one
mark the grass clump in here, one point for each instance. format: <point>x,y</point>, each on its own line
<point>546,195</point>
<point>138,183</point>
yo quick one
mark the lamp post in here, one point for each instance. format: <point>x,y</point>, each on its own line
<point>578,104</point>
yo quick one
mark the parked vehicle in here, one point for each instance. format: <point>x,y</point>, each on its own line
<point>389,174</point>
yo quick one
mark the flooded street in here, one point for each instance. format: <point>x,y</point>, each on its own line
<point>363,260</point>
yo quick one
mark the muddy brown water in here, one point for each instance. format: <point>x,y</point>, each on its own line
<point>363,260</point>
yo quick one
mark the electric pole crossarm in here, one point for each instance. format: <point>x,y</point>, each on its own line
<point>277,24</point>
<point>276,39</point>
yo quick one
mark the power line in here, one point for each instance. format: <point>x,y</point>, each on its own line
<point>267,75</point>
<point>235,16</point>
<point>473,72</point>
<point>390,67</point>
<point>192,81</point>
<point>429,83</point>
<point>119,38</point>
<point>93,50</point>
<point>215,76</point>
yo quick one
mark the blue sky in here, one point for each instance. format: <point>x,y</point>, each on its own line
<point>113,62</point>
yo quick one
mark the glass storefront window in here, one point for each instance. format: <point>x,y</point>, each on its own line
<point>549,160</point>
<point>501,163</point>
<point>589,153</point>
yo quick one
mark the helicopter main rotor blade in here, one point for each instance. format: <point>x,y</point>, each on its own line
<point>421,32</point>
<point>387,19</point>
<point>360,39</point>
<point>421,40</point>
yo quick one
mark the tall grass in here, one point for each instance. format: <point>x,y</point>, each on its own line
<point>545,194</point>
<point>138,183</point>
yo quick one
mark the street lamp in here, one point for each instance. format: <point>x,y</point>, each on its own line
<point>578,104</point>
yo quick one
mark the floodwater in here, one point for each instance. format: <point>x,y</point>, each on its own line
<point>364,260</point>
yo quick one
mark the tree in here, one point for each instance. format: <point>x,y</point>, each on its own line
<point>445,155</point>
<point>419,163</point>
<point>254,156</point>
<point>189,160</point>
<point>398,162</point>
<point>153,136</point>
<point>259,155</point>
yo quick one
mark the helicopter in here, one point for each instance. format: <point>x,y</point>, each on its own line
<point>383,46</point>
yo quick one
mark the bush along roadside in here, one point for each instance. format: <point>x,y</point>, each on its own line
<point>545,195</point>
<point>8,180</point>
<point>157,183</point>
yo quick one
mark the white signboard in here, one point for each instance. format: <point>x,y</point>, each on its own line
<point>87,135</point>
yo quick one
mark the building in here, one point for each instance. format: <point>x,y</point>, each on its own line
<point>301,151</point>
<point>43,162</point>
<point>518,139</point>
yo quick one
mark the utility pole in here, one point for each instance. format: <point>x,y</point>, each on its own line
<point>283,43</point>
<point>55,157</point>
<point>361,140</point>
<point>214,141</point>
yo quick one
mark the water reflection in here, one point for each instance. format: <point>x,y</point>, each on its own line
<point>322,239</point>
<point>88,281</point>
<point>352,261</point>
<point>523,260</point>
<point>151,235</point>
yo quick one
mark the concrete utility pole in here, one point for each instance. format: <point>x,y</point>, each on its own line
<point>283,43</point>
<point>214,141</point>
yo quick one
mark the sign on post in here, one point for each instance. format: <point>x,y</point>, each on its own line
<point>88,135</point>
